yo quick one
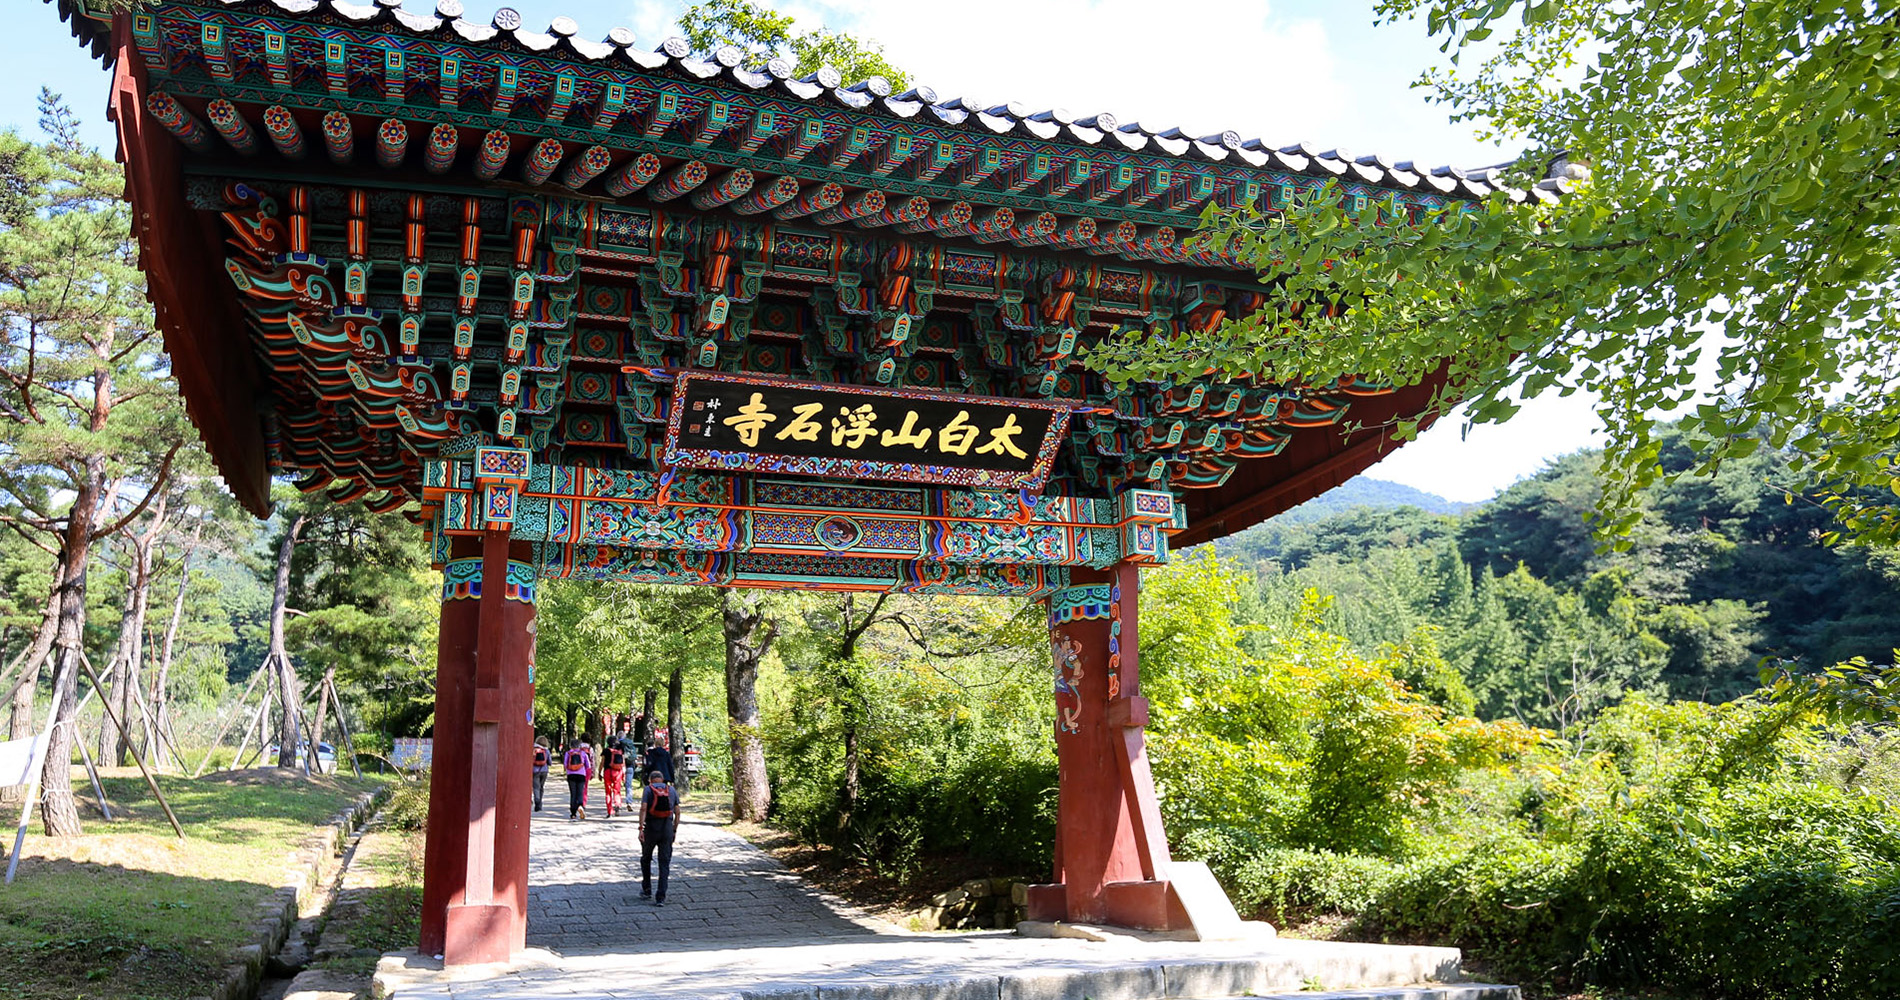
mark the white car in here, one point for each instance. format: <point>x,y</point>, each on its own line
<point>326,756</point>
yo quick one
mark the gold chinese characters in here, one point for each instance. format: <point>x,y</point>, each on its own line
<point>852,426</point>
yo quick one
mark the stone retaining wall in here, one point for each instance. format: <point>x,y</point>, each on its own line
<point>979,904</point>
<point>313,860</point>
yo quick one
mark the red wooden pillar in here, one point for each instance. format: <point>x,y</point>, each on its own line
<point>475,864</point>
<point>1111,852</point>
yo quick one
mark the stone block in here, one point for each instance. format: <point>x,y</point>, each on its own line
<point>951,898</point>
<point>1019,893</point>
<point>983,988</point>
<point>1215,978</point>
<point>977,887</point>
<point>1141,982</point>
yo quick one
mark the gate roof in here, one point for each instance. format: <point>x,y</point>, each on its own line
<point>380,237</point>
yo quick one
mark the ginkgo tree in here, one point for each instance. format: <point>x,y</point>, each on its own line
<point>1728,178</point>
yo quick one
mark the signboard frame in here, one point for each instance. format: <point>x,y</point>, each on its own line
<point>970,469</point>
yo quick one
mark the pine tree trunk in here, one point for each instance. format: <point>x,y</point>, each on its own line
<point>58,813</point>
<point>751,794</point>
<point>129,653</point>
<point>27,678</point>
<point>278,658</point>
<point>647,709</point>
<point>161,684</point>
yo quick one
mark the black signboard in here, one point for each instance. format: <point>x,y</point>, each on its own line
<point>744,423</point>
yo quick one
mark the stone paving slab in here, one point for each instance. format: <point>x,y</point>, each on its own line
<point>738,926</point>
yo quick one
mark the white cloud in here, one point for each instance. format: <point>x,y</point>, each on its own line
<point>1204,65</point>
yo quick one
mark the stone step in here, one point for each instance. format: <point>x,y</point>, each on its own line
<point>1305,970</point>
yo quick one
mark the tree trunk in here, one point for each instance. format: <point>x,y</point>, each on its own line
<point>161,684</point>
<point>648,708</point>
<point>278,658</point>
<point>675,727</point>
<point>751,795</point>
<point>851,707</point>
<point>58,813</point>
<point>129,653</point>
<point>567,726</point>
<point>27,679</point>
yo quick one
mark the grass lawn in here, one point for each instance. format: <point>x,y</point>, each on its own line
<point>129,911</point>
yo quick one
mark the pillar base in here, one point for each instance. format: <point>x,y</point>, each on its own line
<point>478,934</point>
<point>1144,905</point>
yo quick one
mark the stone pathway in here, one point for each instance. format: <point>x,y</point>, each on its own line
<point>738,926</point>
<point>584,891</point>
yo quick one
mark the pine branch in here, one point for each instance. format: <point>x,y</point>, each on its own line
<point>158,484</point>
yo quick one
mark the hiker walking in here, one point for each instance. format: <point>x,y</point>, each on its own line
<point>658,759</point>
<point>542,757</point>
<point>578,762</point>
<point>659,820</point>
<point>613,772</point>
<point>631,747</point>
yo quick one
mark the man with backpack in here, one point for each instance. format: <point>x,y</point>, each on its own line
<point>658,759</point>
<point>578,762</point>
<point>659,820</point>
<point>541,759</point>
<point>613,771</point>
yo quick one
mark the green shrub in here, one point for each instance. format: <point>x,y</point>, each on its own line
<point>994,801</point>
<point>408,805</point>
<point>1288,885</point>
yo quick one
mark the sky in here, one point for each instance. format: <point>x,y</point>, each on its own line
<point>1320,72</point>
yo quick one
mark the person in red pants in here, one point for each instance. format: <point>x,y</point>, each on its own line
<point>613,773</point>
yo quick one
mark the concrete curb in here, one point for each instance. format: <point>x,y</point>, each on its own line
<point>1197,978</point>
<point>277,913</point>
<point>1111,985</point>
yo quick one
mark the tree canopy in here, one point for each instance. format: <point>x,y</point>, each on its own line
<point>764,35</point>
<point>1729,190</point>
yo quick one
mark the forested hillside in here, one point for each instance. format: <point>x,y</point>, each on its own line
<point>1541,625</point>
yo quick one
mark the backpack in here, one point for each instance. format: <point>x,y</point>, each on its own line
<point>576,761</point>
<point>540,756</point>
<point>616,758</point>
<point>662,807</point>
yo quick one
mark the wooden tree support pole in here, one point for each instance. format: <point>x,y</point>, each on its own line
<point>36,762</point>
<point>258,721</point>
<point>98,791</point>
<point>85,755</point>
<point>155,739</point>
<point>215,740</point>
<point>343,723</point>
<point>86,665</point>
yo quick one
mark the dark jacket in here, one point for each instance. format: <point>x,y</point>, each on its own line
<point>658,759</point>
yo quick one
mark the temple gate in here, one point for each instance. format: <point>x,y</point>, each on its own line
<point>589,309</point>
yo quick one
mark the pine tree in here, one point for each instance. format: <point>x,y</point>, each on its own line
<point>89,422</point>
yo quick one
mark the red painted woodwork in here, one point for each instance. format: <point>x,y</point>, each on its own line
<point>181,252</point>
<point>1316,460</point>
<point>475,863</point>
<point>1146,905</point>
<point>1111,851</point>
